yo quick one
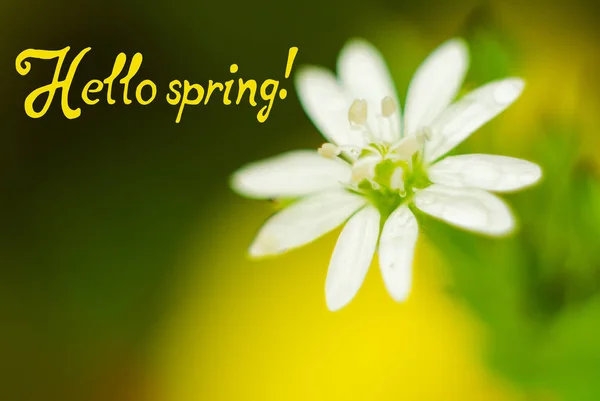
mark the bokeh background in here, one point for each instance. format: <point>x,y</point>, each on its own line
<point>123,274</point>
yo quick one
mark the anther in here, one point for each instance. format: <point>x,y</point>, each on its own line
<point>388,106</point>
<point>407,147</point>
<point>329,151</point>
<point>397,181</point>
<point>362,171</point>
<point>357,114</point>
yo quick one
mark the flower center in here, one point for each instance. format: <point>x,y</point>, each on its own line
<point>388,174</point>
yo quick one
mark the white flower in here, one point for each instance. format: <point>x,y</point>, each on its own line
<point>376,166</point>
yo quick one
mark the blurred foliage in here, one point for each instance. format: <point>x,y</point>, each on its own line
<point>538,292</point>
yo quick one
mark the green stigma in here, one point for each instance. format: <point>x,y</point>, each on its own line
<point>393,183</point>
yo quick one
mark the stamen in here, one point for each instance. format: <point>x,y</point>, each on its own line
<point>388,106</point>
<point>362,171</point>
<point>423,135</point>
<point>329,151</point>
<point>380,147</point>
<point>397,181</point>
<point>357,114</point>
<point>406,147</point>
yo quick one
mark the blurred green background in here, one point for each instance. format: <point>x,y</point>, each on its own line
<point>123,273</point>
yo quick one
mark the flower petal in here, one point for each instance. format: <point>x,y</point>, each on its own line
<point>396,252</point>
<point>351,258</point>
<point>468,208</point>
<point>290,175</point>
<point>469,113</point>
<point>327,104</point>
<point>304,221</point>
<point>435,84</point>
<point>365,75</point>
<point>489,172</point>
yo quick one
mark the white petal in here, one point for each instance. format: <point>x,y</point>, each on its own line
<point>351,258</point>
<point>364,74</point>
<point>468,114</point>
<point>327,104</point>
<point>290,175</point>
<point>304,221</point>
<point>469,208</point>
<point>396,252</point>
<point>435,84</point>
<point>490,172</point>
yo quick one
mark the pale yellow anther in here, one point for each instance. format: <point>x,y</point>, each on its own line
<point>362,171</point>
<point>388,106</point>
<point>397,181</point>
<point>407,147</point>
<point>329,151</point>
<point>357,114</point>
<point>423,135</point>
